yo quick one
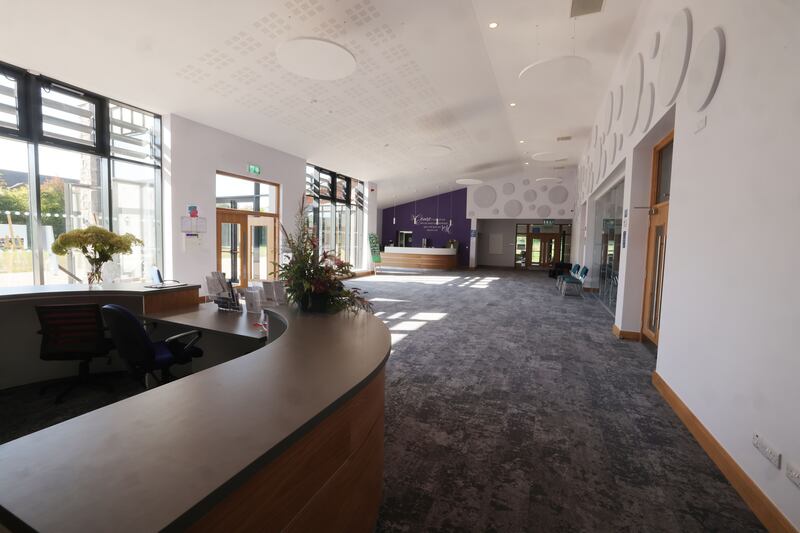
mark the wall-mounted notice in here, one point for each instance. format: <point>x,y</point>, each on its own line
<point>194,225</point>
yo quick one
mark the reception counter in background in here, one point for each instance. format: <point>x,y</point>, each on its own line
<point>419,258</point>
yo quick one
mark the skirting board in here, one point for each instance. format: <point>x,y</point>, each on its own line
<point>626,335</point>
<point>759,503</point>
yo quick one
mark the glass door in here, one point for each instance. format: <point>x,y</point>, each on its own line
<point>232,246</point>
<point>263,248</point>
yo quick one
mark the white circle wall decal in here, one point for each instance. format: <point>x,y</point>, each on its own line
<point>620,99</point>
<point>655,42</point>
<point>485,196</point>
<point>705,70</point>
<point>633,90</point>
<point>316,59</point>
<point>495,211</point>
<point>530,195</point>
<point>608,112</point>
<point>526,181</point>
<point>508,188</point>
<point>561,212</point>
<point>512,208</point>
<point>543,211</point>
<point>648,101</point>
<point>675,57</point>
<point>558,194</point>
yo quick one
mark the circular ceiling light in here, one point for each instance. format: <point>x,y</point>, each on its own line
<point>512,104</point>
<point>522,142</point>
<point>556,180</point>
<point>431,150</point>
<point>557,69</point>
<point>548,157</point>
<point>316,59</point>
<point>469,181</point>
<point>493,25</point>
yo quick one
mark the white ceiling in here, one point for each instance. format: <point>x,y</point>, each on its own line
<point>429,73</point>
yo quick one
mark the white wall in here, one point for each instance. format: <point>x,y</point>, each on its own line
<point>521,196</point>
<point>193,154</point>
<point>727,342</point>
<point>507,229</point>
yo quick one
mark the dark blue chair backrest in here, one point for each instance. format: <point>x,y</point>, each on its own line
<point>129,336</point>
<point>575,268</point>
<point>584,272</point>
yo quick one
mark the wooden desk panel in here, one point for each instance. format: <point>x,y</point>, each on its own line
<point>421,261</point>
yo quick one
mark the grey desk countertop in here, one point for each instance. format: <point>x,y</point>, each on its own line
<point>160,458</point>
<point>33,291</point>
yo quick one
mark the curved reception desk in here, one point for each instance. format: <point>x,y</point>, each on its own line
<point>286,437</point>
<point>419,258</point>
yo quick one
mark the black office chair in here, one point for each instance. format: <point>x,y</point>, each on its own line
<point>73,333</point>
<point>142,355</point>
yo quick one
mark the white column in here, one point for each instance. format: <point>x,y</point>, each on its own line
<point>473,243</point>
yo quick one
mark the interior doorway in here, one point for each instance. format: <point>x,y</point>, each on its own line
<point>246,246</point>
<point>539,247</point>
<point>657,238</point>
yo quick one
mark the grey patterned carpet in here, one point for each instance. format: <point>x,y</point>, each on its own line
<point>512,408</point>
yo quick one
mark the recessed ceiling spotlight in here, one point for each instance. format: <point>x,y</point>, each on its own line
<point>527,163</point>
<point>493,25</point>
<point>512,104</point>
<point>522,142</point>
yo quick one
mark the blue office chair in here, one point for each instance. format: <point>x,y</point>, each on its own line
<point>572,273</point>
<point>142,355</point>
<point>575,282</point>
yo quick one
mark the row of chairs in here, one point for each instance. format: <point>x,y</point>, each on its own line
<point>574,279</point>
<point>78,333</point>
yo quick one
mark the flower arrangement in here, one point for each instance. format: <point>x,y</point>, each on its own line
<point>314,280</point>
<point>98,246</point>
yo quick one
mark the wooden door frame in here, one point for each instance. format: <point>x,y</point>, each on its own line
<point>244,248</point>
<point>648,254</point>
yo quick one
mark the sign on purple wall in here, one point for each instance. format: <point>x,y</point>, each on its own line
<point>436,218</point>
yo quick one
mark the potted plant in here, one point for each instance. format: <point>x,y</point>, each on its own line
<point>313,279</point>
<point>98,246</point>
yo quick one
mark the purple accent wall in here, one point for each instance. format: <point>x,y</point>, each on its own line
<point>424,224</point>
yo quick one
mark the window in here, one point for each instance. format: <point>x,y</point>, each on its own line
<point>9,102</point>
<point>99,163</point>
<point>246,195</point>
<point>135,134</point>
<point>68,117</point>
<point>335,210</point>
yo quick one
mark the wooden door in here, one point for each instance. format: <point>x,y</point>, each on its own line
<point>232,239</point>
<point>657,238</point>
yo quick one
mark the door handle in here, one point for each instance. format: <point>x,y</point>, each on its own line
<point>652,211</point>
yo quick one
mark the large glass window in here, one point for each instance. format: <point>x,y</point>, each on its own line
<point>607,244</point>
<point>335,210</point>
<point>98,164</point>
<point>16,225</point>
<point>246,195</point>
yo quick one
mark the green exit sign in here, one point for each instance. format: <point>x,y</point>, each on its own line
<point>254,169</point>
<point>549,222</point>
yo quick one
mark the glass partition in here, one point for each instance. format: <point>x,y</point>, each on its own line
<point>607,245</point>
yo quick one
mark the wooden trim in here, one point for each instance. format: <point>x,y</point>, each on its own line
<point>626,335</point>
<point>754,497</point>
<point>331,479</point>
<point>591,289</point>
<point>422,261</point>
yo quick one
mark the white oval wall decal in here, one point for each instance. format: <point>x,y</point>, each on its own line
<point>633,90</point>
<point>620,100</point>
<point>705,70</point>
<point>648,101</point>
<point>654,44</point>
<point>675,57</point>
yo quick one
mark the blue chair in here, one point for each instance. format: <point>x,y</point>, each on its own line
<point>575,282</point>
<point>143,356</point>
<point>572,273</point>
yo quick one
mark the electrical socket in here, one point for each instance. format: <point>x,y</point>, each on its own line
<point>767,451</point>
<point>793,473</point>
